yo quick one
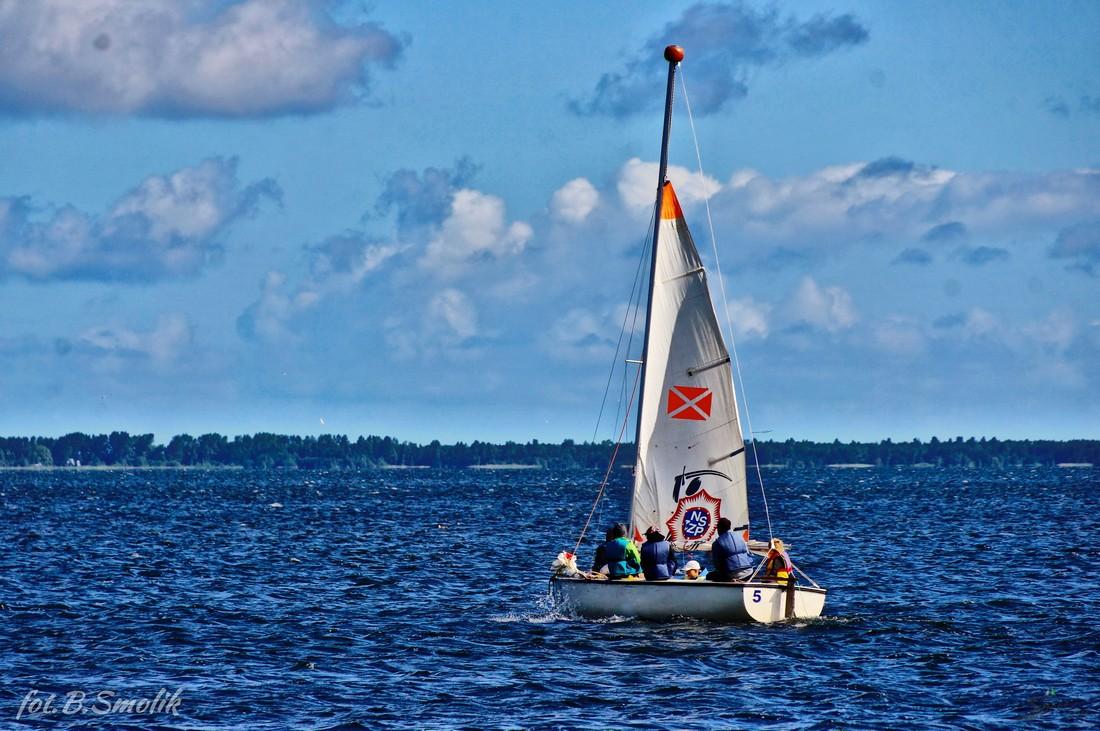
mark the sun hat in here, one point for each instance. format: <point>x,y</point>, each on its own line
<point>692,565</point>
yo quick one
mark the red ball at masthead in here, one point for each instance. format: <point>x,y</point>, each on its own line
<point>674,54</point>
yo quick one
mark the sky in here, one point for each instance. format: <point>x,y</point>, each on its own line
<point>424,219</point>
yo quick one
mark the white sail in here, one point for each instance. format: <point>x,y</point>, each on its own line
<point>691,455</point>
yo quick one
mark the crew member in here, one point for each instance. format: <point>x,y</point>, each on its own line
<point>730,554</point>
<point>623,559</point>
<point>777,565</point>
<point>601,550</point>
<point>658,563</point>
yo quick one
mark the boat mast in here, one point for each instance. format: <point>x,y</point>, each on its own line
<point>674,55</point>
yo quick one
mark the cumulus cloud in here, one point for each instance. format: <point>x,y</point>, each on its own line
<point>448,326</point>
<point>168,226</point>
<point>574,201</point>
<point>637,184</point>
<point>337,265</point>
<point>725,43</point>
<point>421,200</point>
<point>167,58</point>
<point>588,333</point>
<point>454,309</point>
<point>476,229</point>
<point>442,227</point>
<point>163,343</point>
<point>1080,245</point>
<point>898,335</point>
<point>749,318</point>
<point>900,199</point>
<point>1051,334</point>
<point>829,308</point>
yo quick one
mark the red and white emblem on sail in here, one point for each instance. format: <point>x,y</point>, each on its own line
<point>695,519</point>
<point>689,402</point>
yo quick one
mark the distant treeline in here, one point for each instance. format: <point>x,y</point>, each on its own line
<point>338,452</point>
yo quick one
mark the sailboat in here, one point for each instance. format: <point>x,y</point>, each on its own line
<point>690,468</point>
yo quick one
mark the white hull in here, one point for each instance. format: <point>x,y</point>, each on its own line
<point>732,602</point>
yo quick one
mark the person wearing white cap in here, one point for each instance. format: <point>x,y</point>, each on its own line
<point>691,570</point>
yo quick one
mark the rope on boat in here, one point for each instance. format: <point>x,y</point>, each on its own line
<point>631,305</point>
<point>726,307</point>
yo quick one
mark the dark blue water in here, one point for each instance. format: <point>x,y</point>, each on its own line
<point>416,599</point>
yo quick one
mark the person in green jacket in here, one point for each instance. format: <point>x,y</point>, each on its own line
<point>623,558</point>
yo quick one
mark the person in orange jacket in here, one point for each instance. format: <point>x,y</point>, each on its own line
<point>777,566</point>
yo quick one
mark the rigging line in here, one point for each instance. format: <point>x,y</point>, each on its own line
<point>622,331</point>
<point>636,304</point>
<point>726,307</point>
<point>634,326</point>
<point>610,466</point>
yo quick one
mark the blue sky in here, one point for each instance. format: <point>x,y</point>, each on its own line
<point>424,220</point>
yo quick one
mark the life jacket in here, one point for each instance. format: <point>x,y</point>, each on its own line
<point>777,566</point>
<point>730,555</point>
<point>621,561</point>
<point>657,561</point>
<point>601,557</point>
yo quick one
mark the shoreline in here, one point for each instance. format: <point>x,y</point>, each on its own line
<point>517,466</point>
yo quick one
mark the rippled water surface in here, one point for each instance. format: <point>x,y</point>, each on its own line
<point>416,599</point>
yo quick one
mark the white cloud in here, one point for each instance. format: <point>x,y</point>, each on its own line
<point>888,199</point>
<point>637,184</point>
<point>475,229</point>
<point>163,343</point>
<point>1050,335</point>
<point>591,334</point>
<point>726,43</point>
<point>574,201</point>
<point>338,266</point>
<point>981,323</point>
<point>168,226</point>
<point>267,316</point>
<point>191,203</point>
<point>749,318</point>
<point>830,309</point>
<point>900,199</point>
<point>1055,331</point>
<point>446,326</point>
<point>182,58</point>
<point>456,311</point>
<point>899,335</point>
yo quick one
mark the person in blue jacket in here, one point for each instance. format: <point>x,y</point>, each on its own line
<point>621,555</point>
<point>730,554</point>
<point>658,563</point>
<point>601,550</point>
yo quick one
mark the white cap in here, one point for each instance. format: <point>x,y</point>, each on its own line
<point>692,565</point>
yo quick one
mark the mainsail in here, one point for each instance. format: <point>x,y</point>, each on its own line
<point>691,455</point>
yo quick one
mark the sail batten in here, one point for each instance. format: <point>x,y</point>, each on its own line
<point>690,467</point>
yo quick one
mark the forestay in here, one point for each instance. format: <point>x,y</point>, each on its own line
<point>691,455</point>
